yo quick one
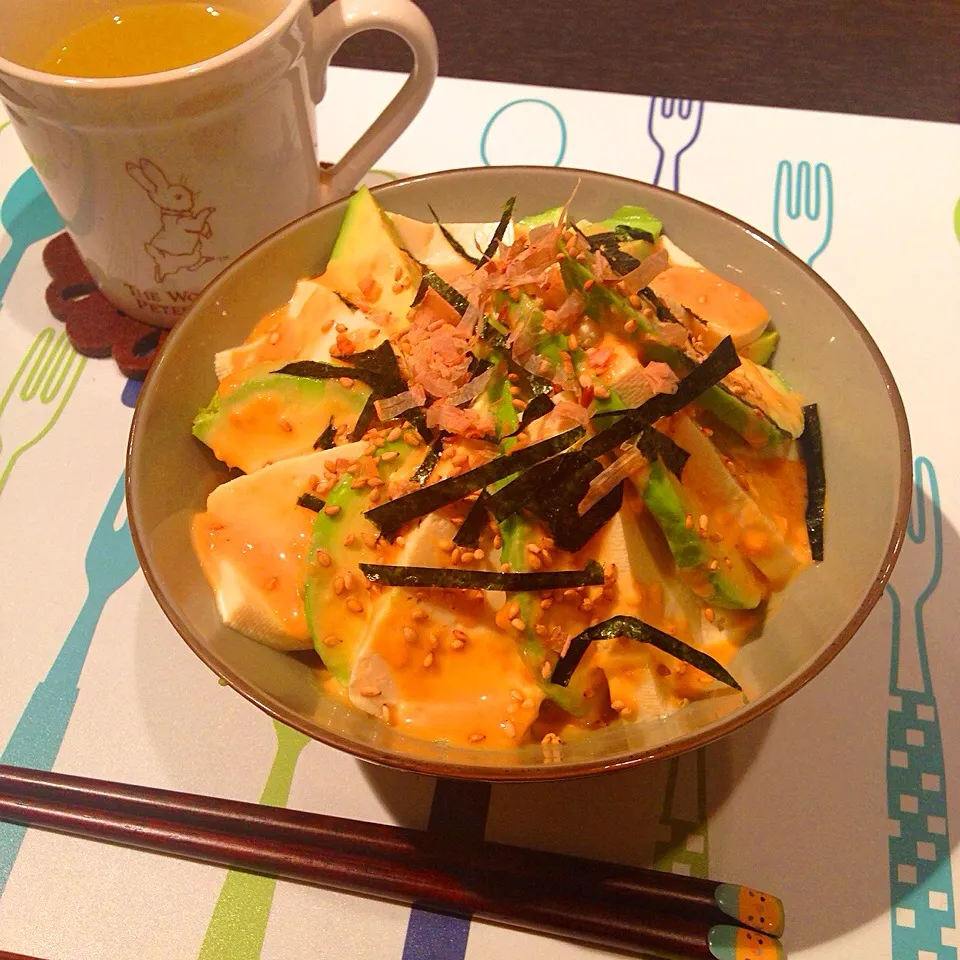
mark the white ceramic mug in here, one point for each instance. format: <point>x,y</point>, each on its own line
<point>162,179</point>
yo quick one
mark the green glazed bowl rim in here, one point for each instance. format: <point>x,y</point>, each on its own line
<point>442,768</point>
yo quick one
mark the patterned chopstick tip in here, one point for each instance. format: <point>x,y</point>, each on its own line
<point>736,943</point>
<point>752,908</point>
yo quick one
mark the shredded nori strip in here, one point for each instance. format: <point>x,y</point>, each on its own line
<point>705,375</point>
<point>599,240</point>
<point>634,629</point>
<point>449,293</point>
<point>366,417</point>
<point>457,578</point>
<point>453,241</point>
<point>477,366</point>
<point>714,367</point>
<point>382,361</point>
<point>558,497</point>
<point>326,439</point>
<point>310,501</point>
<point>538,407</point>
<point>469,533</point>
<point>391,516</point>
<point>421,291</point>
<point>633,233</point>
<point>346,300</point>
<point>539,386</point>
<point>609,245</point>
<point>490,334</point>
<point>428,463</point>
<point>318,370</point>
<point>498,234</point>
<point>663,311</point>
<point>514,496</point>
<point>650,442</point>
<point>811,443</point>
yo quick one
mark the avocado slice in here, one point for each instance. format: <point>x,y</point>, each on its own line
<point>766,390</point>
<point>632,217</point>
<point>368,265</point>
<point>601,300</point>
<point>516,532</point>
<point>539,219</point>
<point>275,416</point>
<point>328,618</point>
<point>762,349</point>
<point>716,572</point>
<point>524,312</point>
<point>736,515</point>
<point>748,421</point>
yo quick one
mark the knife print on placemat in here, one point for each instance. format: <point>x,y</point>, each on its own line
<point>673,125</point>
<point>36,739</point>
<point>803,208</point>
<point>686,849</point>
<point>552,157</point>
<point>239,921</point>
<point>922,907</point>
<point>458,814</point>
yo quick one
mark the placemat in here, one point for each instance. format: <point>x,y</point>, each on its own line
<point>840,800</point>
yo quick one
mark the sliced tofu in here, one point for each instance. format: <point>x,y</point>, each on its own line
<point>644,683</point>
<point>436,664</point>
<point>426,242</point>
<point>722,307</point>
<point>303,329</point>
<point>252,542</point>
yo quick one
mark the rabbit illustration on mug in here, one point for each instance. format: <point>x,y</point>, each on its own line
<point>178,244</point>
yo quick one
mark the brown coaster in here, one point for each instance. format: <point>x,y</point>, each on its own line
<point>95,327</point>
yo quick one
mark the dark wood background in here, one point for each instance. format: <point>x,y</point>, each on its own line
<point>897,58</point>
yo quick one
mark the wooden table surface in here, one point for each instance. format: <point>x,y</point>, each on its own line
<point>898,58</point>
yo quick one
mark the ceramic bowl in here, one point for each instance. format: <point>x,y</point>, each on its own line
<point>826,353</point>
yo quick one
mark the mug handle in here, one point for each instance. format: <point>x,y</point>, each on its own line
<point>331,27</point>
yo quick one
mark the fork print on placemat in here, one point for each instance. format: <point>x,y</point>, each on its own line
<point>28,215</point>
<point>803,208</point>
<point>921,882</point>
<point>35,742</point>
<point>673,125</point>
<point>36,396</point>
<point>686,849</point>
<point>239,921</point>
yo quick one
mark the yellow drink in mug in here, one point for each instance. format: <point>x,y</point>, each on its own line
<point>136,38</point>
<point>173,135</point>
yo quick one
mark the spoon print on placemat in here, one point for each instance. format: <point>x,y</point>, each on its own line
<point>541,124</point>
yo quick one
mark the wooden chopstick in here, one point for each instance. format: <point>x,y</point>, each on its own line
<point>602,904</point>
